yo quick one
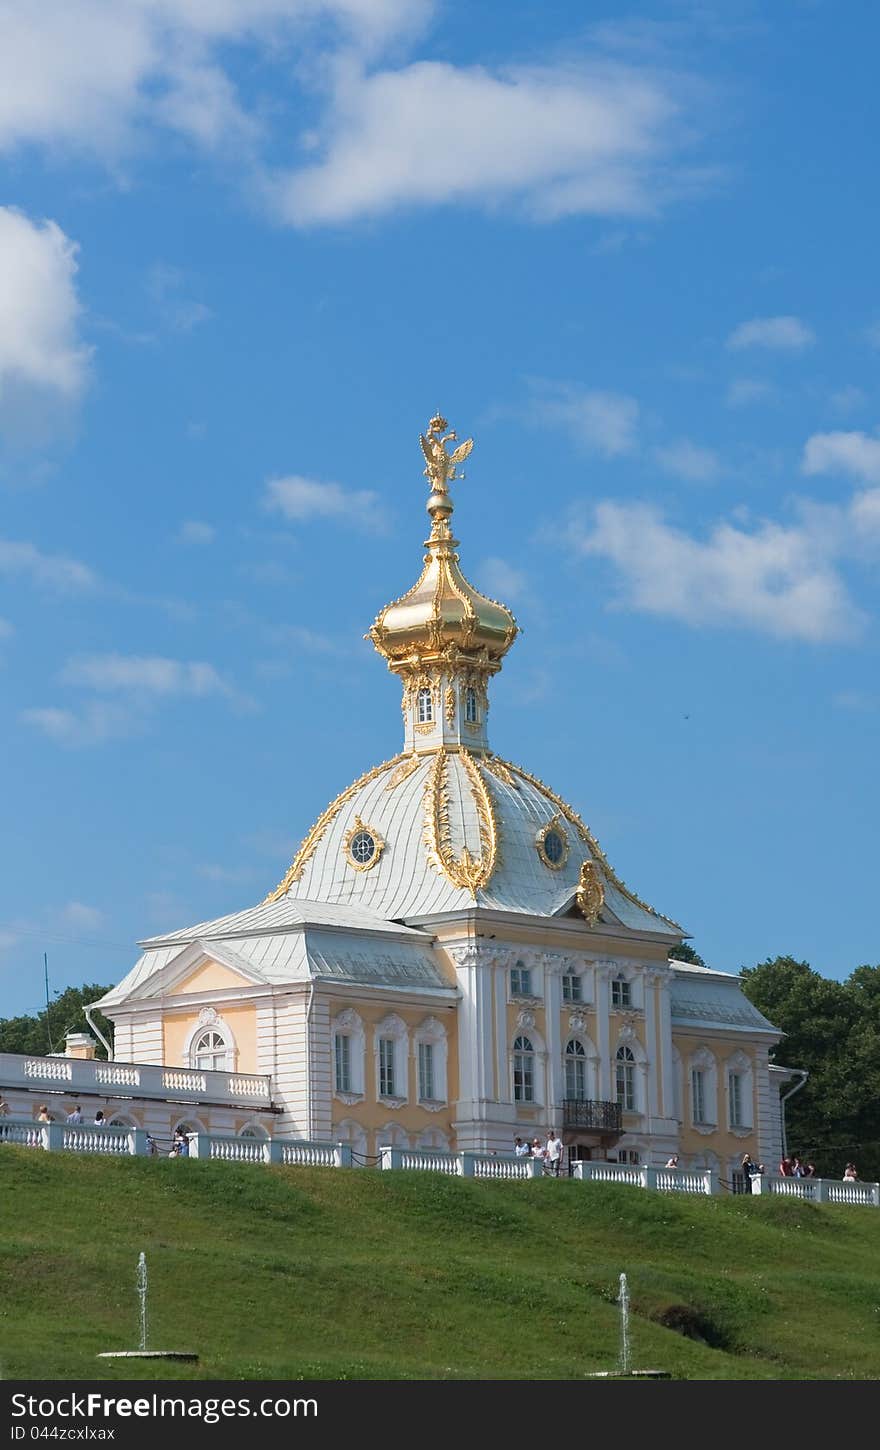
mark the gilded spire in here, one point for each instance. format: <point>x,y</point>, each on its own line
<point>440,468</point>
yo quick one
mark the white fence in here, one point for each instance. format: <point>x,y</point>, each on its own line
<point>219,1147</point>
<point>818,1190</point>
<point>463,1165</point>
<point>667,1180</point>
<point>135,1079</point>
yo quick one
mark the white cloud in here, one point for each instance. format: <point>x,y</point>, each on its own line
<point>600,422</point>
<point>500,580</point>
<point>685,459</point>
<point>43,361</point>
<point>857,454</point>
<point>773,579</point>
<point>300,499</point>
<point>145,675</point>
<point>178,312</point>
<point>97,722</point>
<point>193,531</point>
<point>552,141</point>
<point>86,75</point>
<point>742,392</point>
<point>848,399</point>
<point>49,571</point>
<point>77,914</point>
<point>786,334</point>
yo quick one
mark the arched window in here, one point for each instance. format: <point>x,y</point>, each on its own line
<point>523,1071</point>
<point>470,706</point>
<point>426,705</point>
<point>254,1130</point>
<point>626,1079</point>
<point>575,1071</point>
<point>210,1052</point>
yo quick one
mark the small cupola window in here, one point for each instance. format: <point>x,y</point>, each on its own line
<point>470,706</point>
<point>426,705</point>
<point>362,846</point>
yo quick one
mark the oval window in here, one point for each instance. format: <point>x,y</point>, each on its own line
<point>362,847</point>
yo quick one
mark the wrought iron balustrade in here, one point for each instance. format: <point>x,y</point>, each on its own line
<point>592,1114</point>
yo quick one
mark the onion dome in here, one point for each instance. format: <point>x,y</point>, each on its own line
<point>442,610</point>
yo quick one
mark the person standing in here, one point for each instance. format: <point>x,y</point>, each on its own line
<point>673,1161</point>
<point>748,1169</point>
<point>849,1173</point>
<point>554,1152</point>
<point>43,1114</point>
<point>75,1116</point>
<point>785,1168</point>
<point>100,1120</point>
<point>520,1148</point>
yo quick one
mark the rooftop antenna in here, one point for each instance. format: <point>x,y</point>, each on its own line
<point>48,1024</point>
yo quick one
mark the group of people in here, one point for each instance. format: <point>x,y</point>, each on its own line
<point>550,1153</point>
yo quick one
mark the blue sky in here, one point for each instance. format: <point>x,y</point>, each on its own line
<point>247,249</point>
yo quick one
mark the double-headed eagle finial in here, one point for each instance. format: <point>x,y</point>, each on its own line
<point>441,464</point>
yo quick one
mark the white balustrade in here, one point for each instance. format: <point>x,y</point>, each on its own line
<point>289,1151</point>
<point>83,1139</point>
<point>434,1160</point>
<point>818,1190</point>
<point>23,1131</point>
<point>589,1171</point>
<point>134,1079</point>
<point>665,1180</point>
<point>486,1165</point>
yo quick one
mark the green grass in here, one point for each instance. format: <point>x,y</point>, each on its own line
<point>273,1273</point>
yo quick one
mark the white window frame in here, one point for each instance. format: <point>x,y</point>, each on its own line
<point>431,1033</point>
<point>572,1060</point>
<point>519,975</point>
<point>739,1069</point>
<point>425,705</point>
<point>572,982</point>
<point>524,1066</point>
<point>625,1070</point>
<point>394,1030</point>
<point>225,1052</point>
<point>623,987</point>
<point>348,1023</point>
<point>471,706</point>
<point>703,1061</point>
<point>342,1062</point>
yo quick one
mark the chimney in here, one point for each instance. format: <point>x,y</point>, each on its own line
<point>79,1044</point>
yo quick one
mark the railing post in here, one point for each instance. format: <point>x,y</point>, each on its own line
<point>342,1155</point>
<point>822,1194</point>
<point>53,1137</point>
<point>137,1142</point>
<point>466,1165</point>
<point>392,1157</point>
<point>195,1150</point>
<point>535,1167</point>
<point>578,1170</point>
<point>760,1183</point>
<point>875,1194</point>
<point>648,1176</point>
<point>713,1181</point>
<point>276,1151</point>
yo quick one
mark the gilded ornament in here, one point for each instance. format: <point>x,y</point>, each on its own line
<point>590,893</point>
<point>468,872</point>
<point>500,771</point>
<point>362,846</point>
<point>555,857</point>
<point>295,870</point>
<point>450,705</point>
<point>440,463</point>
<point>589,839</point>
<point>404,771</point>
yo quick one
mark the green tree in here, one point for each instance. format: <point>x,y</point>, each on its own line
<point>34,1033</point>
<point>685,953</point>
<point>832,1029</point>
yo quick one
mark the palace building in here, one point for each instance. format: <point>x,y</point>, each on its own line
<point>449,961</point>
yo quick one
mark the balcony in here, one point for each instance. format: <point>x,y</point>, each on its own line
<point>116,1080</point>
<point>590,1116</point>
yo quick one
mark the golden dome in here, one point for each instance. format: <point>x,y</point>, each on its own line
<point>442,611</point>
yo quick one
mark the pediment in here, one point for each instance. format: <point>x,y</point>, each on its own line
<point>202,967</point>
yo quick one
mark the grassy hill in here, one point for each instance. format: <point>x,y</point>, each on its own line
<point>314,1273</point>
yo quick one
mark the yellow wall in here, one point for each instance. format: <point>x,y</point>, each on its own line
<point>210,977</point>
<point>723,1142</point>
<point>241,1021</point>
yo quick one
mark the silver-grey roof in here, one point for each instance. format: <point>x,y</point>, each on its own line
<point>705,998</point>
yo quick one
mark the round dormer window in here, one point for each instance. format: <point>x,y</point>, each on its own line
<point>552,844</point>
<point>363,846</point>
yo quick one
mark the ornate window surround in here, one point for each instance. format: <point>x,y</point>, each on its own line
<point>395,1028</point>
<point>209,1021</point>
<point>703,1060</point>
<point>348,1023</point>
<point>740,1065</point>
<point>433,1032</point>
